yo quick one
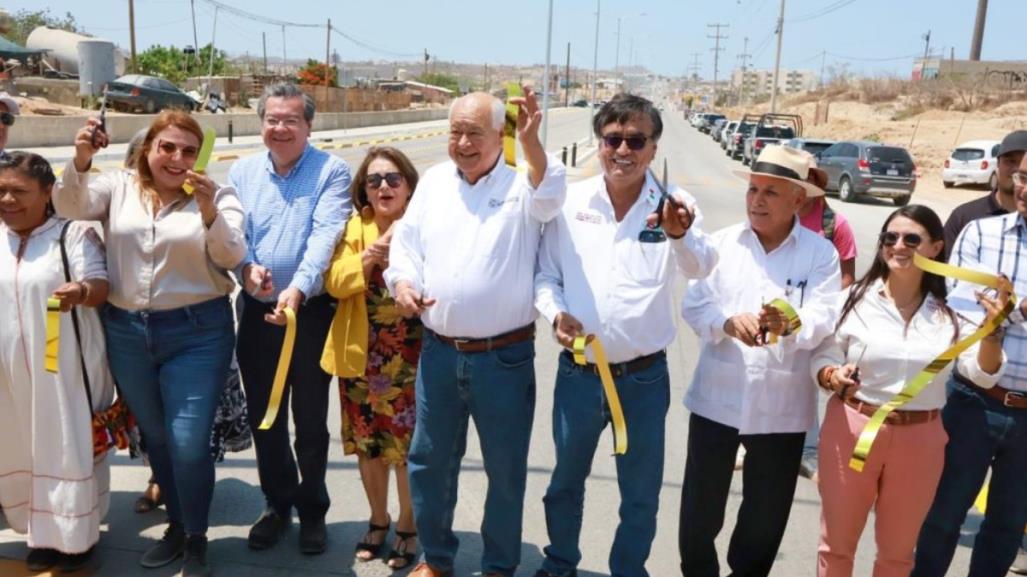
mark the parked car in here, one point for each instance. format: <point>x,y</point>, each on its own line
<point>715,128</point>
<point>582,103</point>
<point>737,139</point>
<point>708,120</point>
<point>699,119</point>
<point>146,93</point>
<point>972,162</point>
<point>871,168</point>
<point>763,135</point>
<point>810,145</point>
<point>726,132</point>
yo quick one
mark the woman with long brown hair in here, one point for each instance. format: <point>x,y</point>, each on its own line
<point>169,324</point>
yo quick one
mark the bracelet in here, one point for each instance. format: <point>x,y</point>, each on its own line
<point>679,237</point>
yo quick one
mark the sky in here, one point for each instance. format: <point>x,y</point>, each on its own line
<point>862,36</point>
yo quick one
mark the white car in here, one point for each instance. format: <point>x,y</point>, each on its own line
<point>972,162</point>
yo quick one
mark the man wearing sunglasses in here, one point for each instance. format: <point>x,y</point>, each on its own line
<point>606,268</point>
<point>9,110</point>
<point>752,385</point>
<point>987,427</point>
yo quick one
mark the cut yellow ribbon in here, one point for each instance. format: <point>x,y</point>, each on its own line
<point>914,386</point>
<point>786,308</point>
<point>53,334</point>
<point>620,429</point>
<point>510,128</point>
<point>203,158</point>
<point>284,360</point>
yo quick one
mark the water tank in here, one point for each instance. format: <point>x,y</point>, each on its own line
<point>61,47</point>
<point>95,66</point>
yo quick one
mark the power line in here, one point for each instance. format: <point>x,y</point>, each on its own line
<point>838,5</point>
<point>258,17</point>
<point>367,46</point>
<point>888,59</point>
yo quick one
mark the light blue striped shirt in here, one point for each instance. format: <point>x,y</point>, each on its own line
<point>293,222</point>
<point>999,243</point>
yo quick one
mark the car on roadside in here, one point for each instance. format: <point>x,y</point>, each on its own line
<point>810,145</point>
<point>708,120</point>
<point>582,103</point>
<point>148,94</point>
<point>860,167</point>
<point>725,133</point>
<point>762,136</point>
<point>737,139</point>
<point>972,162</point>
<point>716,128</point>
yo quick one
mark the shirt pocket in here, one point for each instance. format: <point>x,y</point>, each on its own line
<point>782,394</point>
<point>645,263</point>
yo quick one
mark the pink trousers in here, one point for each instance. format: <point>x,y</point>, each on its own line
<point>898,482</point>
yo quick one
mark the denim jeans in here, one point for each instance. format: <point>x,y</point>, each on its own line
<point>580,414</point>
<point>497,390</point>
<point>171,367</point>
<point>982,433</point>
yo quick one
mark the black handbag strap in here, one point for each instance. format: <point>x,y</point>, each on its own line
<point>74,318</point>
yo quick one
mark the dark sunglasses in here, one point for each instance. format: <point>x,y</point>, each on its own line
<point>393,179</point>
<point>634,142</point>
<point>910,239</point>
<point>6,118</point>
<point>170,148</point>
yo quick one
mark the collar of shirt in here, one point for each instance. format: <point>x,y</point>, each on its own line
<point>269,164</point>
<point>1018,222</point>
<point>792,238</point>
<point>499,165</point>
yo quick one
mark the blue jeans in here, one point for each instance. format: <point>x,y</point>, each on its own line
<point>497,390</point>
<point>171,367</point>
<point>982,433</point>
<point>580,414</point>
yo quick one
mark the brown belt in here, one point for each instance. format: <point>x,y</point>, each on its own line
<point>1008,397</point>
<point>618,370</point>
<point>895,417</point>
<point>463,345</point>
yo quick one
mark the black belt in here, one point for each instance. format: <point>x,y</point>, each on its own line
<point>620,369</point>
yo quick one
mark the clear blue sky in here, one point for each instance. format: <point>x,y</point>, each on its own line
<point>869,35</point>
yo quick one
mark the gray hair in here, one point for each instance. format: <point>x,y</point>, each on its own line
<point>286,90</point>
<point>498,109</point>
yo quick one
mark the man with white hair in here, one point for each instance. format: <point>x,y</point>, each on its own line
<point>463,257</point>
<point>8,111</point>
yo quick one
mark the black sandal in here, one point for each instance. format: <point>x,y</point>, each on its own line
<point>373,548</point>
<point>401,552</point>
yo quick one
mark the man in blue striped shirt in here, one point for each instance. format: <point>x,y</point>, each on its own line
<point>296,199</point>
<point>987,427</point>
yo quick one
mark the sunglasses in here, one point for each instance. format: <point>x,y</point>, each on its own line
<point>170,148</point>
<point>6,118</point>
<point>393,179</point>
<point>1019,178</point>
<point>910,239</point>
<point>634,142</point>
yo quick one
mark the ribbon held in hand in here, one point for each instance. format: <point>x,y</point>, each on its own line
<point>284,360</point>
<point>203,158</point>
<point>914,386</point>
<point>620,429</point>
<point>513,90</point>
<point>53,334</point>
<point>785,308</point>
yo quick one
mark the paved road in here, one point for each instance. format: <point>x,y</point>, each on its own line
<point>698,165</point>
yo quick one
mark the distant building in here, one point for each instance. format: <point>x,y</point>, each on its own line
<point>760,81</point>
<point>1008,74</point>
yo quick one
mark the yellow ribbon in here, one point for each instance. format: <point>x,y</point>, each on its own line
<point>914,386</point>
<point>284,359</point>
<point>510,128</point>
<point>203,157</point>
<point>620,429</point>
<point>53,334</point>
<point>785,308</point>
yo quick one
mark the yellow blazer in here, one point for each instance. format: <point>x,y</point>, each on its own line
<point>345,351</point>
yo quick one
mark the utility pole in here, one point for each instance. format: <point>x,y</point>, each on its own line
<point>426,58</point>
<point>213,35</point>
<point>284,57</point>
<point>777,59</point>
<point>263,37</point>
<point>196,41</point>
<point>717,37</point>
<point>328,52</point>
<point>132,31</point>
<point>927,52</point>
<point>545,81</point>
<point>744,56</point>
<point>595,71</point>
<point>978,38</point>
<point>616,60</point>
<point>694,67</point>
<point>485,78</point>
<point>567,77</point>
<point>823,61</point>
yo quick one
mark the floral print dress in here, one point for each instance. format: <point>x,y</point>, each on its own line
<point>378,408</point>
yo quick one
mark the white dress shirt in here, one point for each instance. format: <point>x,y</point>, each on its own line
<point>156,261</point>
<point>473,246</point>
<point>595,268</point>
<point>761,389</point>
<point>889,352</point>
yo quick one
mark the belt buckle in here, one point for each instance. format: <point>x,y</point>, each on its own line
<point>1011,396</point>
<point>459,343</point>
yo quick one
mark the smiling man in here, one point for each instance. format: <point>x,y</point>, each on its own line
<point>296,199</point>
<point>752,388</point>
<point>8,112</point>
<point>463,258</point>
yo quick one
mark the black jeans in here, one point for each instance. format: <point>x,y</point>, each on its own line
<point>769,477</point>
<point>259,344</point>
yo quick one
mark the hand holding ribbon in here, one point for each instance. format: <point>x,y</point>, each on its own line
<point>620,429</point>
<point>282,371</point>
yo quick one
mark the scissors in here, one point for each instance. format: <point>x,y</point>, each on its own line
<point>97,139</point>
<point>666,197</point>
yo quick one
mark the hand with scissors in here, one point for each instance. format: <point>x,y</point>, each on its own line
<point>671,214</point>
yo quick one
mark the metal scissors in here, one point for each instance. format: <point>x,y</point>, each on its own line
<point>97,139</point>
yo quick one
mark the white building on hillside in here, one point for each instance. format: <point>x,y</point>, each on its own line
<point>758,82</point>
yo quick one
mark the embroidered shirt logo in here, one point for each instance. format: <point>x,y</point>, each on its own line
<point>497,202</point>
<point>589,217</point>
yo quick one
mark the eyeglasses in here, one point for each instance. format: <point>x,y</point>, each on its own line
<point>6,118</point>
<point>1020,179</point>
<point>290,122</point>
<point>170,148</point>
<point>910,239</point>
<point>393,179</point>
<point>634,142</point>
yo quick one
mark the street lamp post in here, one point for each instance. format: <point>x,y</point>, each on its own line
<point>545,79</point>
<point>595,70</point>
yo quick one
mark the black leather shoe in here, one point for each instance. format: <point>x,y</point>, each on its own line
<point>266,532</point>
<point>544,573</point>
<point>74,562</point>
<point>169,548</point>
<point>39,560</point>
<point>195,564</point>
<point>313,537</point>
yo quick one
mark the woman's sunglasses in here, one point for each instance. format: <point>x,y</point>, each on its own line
<point>910,239</point>
<point>393,179</point>
<point>168,148</point>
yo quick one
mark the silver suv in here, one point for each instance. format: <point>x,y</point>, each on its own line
<point>869,168</point>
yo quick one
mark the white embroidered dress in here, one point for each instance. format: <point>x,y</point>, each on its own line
<point>50,487</point>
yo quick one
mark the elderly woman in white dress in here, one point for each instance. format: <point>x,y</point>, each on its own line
<point>52,489</point>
